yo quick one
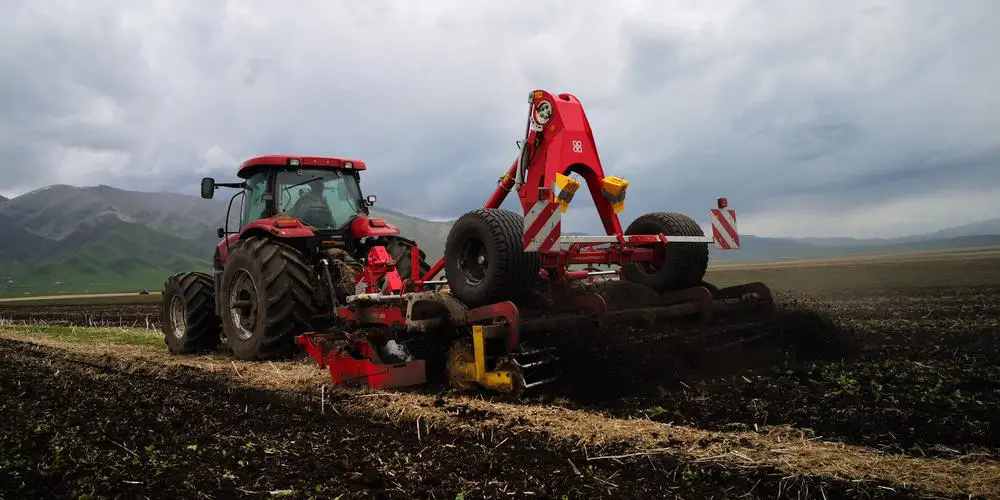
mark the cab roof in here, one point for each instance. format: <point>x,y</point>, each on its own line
<point>284,161</point>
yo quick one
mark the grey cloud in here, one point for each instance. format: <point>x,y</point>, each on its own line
<point>825,136</point>
<point>653,60</point>
<point>764,103</point>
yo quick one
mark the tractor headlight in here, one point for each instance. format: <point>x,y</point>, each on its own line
<point>543,112</point>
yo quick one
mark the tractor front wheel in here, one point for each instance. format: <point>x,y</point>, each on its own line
<point>187,314</point>
<point>677,265</point>
<point>484,258</point>
<point>266,298</point>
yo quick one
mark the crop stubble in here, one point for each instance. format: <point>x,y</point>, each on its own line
<point>909,372</point>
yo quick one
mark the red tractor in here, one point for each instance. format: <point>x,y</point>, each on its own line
<point>310,266</point>
<point>305,231</point>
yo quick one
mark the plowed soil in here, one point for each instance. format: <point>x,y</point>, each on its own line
<point>86,426</point>
<point>914,371</point>
<point>145,315</point>
<point>854,392</point>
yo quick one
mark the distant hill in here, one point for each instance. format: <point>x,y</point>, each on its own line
<point>991,226</point>
<point>757,248</point>
<point>71,239</point>
<point>3,199</point>
<point>100,239</point>
<point>430,236</point>
<point>981,228</point>
<point>753,248</point>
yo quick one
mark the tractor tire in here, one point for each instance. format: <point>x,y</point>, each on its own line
<point>399,250</point>
<point>682,265</point>
<point>484,259</point>
<point>266,298</point>
<point>187,314</point>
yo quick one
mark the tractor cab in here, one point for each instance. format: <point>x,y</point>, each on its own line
<point>322,192</point>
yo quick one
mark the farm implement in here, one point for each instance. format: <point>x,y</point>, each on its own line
<point>311,268</point>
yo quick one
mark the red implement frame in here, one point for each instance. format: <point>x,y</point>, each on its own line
<point>367,367</point>
<point>559,140</point>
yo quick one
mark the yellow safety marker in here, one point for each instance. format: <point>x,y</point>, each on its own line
<point>567,188</point>
<point>613,188</point>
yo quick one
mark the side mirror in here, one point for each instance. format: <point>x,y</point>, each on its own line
<point>207,188</point>
<point>370,200</point>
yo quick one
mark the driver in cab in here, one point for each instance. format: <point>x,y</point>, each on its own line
<point>312,206</point>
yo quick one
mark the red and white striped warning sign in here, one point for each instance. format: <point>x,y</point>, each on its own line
<point>724,229</point>
<point>542,226</point>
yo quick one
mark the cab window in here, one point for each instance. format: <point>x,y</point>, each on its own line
<point>324,199</point>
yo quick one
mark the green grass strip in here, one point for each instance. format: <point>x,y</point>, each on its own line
<point>88,335</point>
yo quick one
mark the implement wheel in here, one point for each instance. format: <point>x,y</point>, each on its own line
<point>484,259</point>
<point>267,298</point>
<point>677,265</point>
<point>187,314</point>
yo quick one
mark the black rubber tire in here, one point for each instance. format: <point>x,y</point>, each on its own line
<point>509,272</point>
<point>683,264</point>
<point>280,295</point>
<point>399,250</point>
<point>193,326</point>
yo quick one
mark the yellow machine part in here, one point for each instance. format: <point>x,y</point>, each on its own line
<point>565,187</point>
<point>613,189</point>
<point>467,367</point>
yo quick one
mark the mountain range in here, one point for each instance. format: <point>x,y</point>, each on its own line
<point>61,239</point>
<point>103,239</point>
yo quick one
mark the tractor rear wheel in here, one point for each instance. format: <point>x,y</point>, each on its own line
<point>187,314</point>
<point>399,250</point>
<point>267,298</point>
<point>678,265</point>
<point>484,258</point>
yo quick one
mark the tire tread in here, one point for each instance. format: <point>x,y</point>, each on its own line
<point>288,294</point>
<point>516,270</point>
<point>687,261</point>
<point>203,325</point>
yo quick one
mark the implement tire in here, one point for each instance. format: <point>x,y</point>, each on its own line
<point>484,259</point>
<point>187,314</point>
<point>267,298</point>
<point>681,265</point>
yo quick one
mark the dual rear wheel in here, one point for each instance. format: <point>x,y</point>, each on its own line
<point>266,298</point>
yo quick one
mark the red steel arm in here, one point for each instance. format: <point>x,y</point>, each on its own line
<point>560,142</point>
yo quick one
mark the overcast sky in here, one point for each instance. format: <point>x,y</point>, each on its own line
<point>814,118</point>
